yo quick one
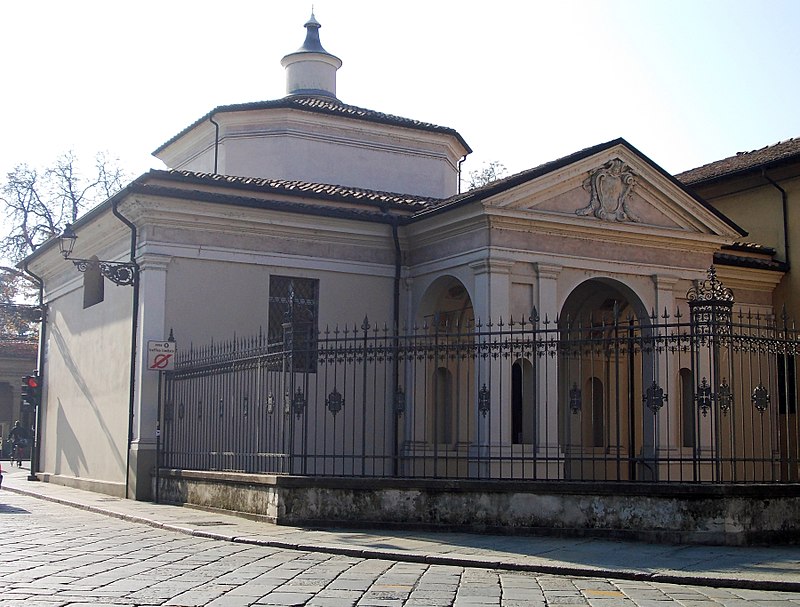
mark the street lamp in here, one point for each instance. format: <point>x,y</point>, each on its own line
<point>118,272</point>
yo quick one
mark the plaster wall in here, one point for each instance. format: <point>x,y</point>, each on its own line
<point>788,292</point>
<point>757,206</point>
<point>234,298</point>
<point>85,417</point>
<point>287,144</point>
<point>388,168</point>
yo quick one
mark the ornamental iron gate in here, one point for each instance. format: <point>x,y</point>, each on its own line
<point>709,396</point>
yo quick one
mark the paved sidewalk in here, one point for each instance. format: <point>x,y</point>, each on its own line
<point>767,568</point>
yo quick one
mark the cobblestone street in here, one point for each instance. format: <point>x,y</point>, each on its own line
<point>57,555</point>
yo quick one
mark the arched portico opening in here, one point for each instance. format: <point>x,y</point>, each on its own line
<point>446,302</point>
<point>444,423</point>
<point>605,429</point>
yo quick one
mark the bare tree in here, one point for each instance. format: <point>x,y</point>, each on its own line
<point>36,205</point>
<point>18,321</point>
<point>491,171</point>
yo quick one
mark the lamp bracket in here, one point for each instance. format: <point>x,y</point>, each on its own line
<point>118,272</point>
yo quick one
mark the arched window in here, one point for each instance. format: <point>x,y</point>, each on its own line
<point>523,413</point>
<point>687,408</point>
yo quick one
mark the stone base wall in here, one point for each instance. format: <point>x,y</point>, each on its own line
<point>85,484</point>
<point>714,514</point>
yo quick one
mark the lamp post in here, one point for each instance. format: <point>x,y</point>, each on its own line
<point>119,272</point>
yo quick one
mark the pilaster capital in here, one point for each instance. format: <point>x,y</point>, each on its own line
<point>154,262</point>
<point>493,265</point>
<point>548,271</point>
<point>664,282</point>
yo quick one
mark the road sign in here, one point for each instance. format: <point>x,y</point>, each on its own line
<point>161,355</point>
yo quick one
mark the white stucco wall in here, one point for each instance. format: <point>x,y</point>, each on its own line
<point>85,419</point>
<point>295,145</point>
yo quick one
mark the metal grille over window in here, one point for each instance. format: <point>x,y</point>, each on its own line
<point>293,315</point>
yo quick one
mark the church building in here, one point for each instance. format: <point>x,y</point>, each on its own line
<point>577,320</point>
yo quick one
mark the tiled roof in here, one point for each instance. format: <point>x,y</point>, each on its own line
<point>312,190</point>
<point>750,247</point>
<point>741,261</point>
<point>506,183</point>
<point>322,105</point>
<point>749,255</point>
<point>743,162</point>
<point>371,214</point>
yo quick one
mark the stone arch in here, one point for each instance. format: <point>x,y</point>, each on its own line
<point>605,430</point>
<point>444,416</point>
<point>449,300</point>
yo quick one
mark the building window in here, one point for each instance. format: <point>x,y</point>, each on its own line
<point>687,408</point>
<point>92,284</point>
<point>787,384</point>
<point>443,420</point>
<point>296,300</point>
<point>522,403</point>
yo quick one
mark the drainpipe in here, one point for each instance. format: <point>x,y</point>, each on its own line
<point>134,327</point>
<point>398,254</point>
<point>37,436</point>
<point>216,141</point>
<point>460,162</point>
<point>398,258</point>
<point>785,218</point>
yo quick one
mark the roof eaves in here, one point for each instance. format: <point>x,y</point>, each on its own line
<point>261,203</point>
<point>319,191</point>
<point>320,105</point>
<point>90,215</point>
<point>741,261</point>
<point>506,183</point>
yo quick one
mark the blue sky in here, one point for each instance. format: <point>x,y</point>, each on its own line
<point>686,82</point>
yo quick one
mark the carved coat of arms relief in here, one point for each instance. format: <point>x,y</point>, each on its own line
<point>610,187</point>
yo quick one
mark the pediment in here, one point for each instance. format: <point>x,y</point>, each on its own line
<point>614,188</point>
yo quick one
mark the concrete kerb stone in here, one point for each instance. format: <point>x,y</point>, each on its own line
<point>472,561</point>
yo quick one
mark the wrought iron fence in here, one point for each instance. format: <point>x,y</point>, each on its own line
<point>708,396</point>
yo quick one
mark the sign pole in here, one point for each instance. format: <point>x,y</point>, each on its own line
<point>161,358</point>
<point>158,437</point>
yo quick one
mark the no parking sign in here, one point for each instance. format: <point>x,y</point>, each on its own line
<point>161,355</point>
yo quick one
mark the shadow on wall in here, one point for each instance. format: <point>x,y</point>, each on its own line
<point>68,447</point>
<point>80,381</point>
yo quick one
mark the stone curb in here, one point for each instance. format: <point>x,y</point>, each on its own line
<point>697,579</point>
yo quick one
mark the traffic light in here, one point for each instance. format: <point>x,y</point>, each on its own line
<point>31,390</point>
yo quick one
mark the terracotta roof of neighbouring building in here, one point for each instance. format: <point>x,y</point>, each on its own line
<point>18,349</point>
<point>766,157</point>
<point>321,105</point>
<point>743,261</point>
<point>750,247</point>
<point>749,255</point>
